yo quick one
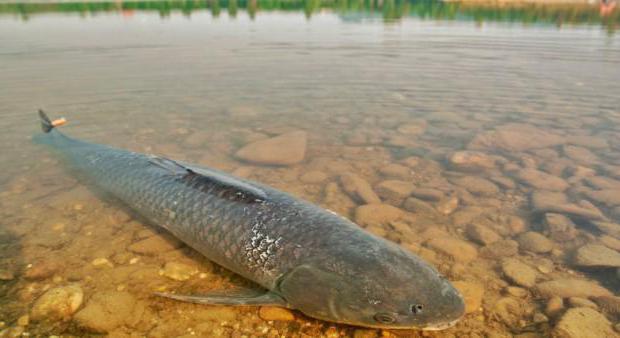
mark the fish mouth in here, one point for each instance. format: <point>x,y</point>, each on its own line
<point>440,326</point>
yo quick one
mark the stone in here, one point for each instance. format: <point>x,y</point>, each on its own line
<point>610,242</point>
<point>559,227</point>
<point>397,171</point>
<point>516,291</point>
<point>583,322</point>
<point>501,248</point>
<point>455,248</point>
<point>519,273</point>
<point>541,180</point>
<point>358,188</point>
<point>418,206</point>
<point>595,255</point>
<point>102,262</point>
<point>609,304</point>
<point>377,214</point>
<point>609,197</point>
<point>579,154</point>
<point>285,149</point>
<point>197,138</point>
<point>602,182</point>
<point>155,244</point>
<point>534,242</point>
<point>556,202</point>
<point>108,310</point>
<point>481,234</point>
<point>6,275</point>
<point>178,271</point>
<point>365,333</point>
<point>554,306</point>
<point>412,128</point>
<point>313,177</point>
<point>394,191</point>
<point>472,293</point>
<point>477,185</point>
<point>503,182</point>
<point>41,270</point>
<point>582,302</point>
<point>57,304</point>
<point>428,194</point>
<point>448,205</point>
<point>471,161</point>
<point>275,313</point>
<point>569,287</point>
<point>611,229</point>
<point>23,320</point>
<point>516,137</point>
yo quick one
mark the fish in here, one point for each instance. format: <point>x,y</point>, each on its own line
<point>302,256</point>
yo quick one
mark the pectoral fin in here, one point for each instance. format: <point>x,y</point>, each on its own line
<point>217,298</point>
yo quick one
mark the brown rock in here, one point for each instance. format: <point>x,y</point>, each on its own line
<point>394,191</point>
<point>541,180</point>
<point>358,188</point>
<point>275,313</point>
<point>313,177</point>
<point>583,322</point>
<point>477,185</point>
<point>516,137</point>
<point>156,244</point>
<point>609,197</point>
<point>471,160</point>
<point>456,249</point>
<point>612,229</point>
<point>610,242</point>
<point>594,255</point>
<point>57,304</point>
<point>472,293</point>
<point>285,149</point>
<point>413,128</point>
<point>41,270</point>
<point>555,305</point>
<point>547,201</point>
<point>559,227</point>
<point>519,273</point>
<point>396,171</point>
<point>609,304</point>
<point>534,242</point>
<point>481,234</point>
<point>428,194</point>
<point>108,310</point>
<point>377,214</point>
<point>582,302</point>
<point>448,205</point>
<point>580,154</point>
<point>567,287</point>
<point>501,248</point>
<point>418,206</point>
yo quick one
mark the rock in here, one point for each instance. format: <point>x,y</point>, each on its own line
<point>396,171</point>
<point>102,262</point>
<point>568,287</point>
<point>456,249</point>
<point>541,180</point>
<point>516,137</point>
<point>178,271</point>
<point>57,304</point>
<point>610,242</point>
<point>516,291</point>
<point>582,302</point>
<point>471,160</point>
<point>609,304</point>
<point>358,188</point>
<point>519,273</point>
<point>275,313</point>
<point>481,234</point>
<point>472,293</point>
<point>580,154</point>
<point>428,194</point>
<point>602,182</point>
<point>108,310</point>
<point>365,333</point>
<point>509,310</point>
<point>6,275</point>
<point>547,201</point>
<point>594,255</point>
<point>534,242</point>
<point>609,197</point>
<point>501,248</point>
<point>559,227</point>
<point>285,149</point>
<point>583,322</point>
<point>41,270</point>
<point>377,214</point>
<point>477,185</point>
<point>413,128</point>
<point>503,182</point>
<point>418,206</point>
<point>448,205</point>
<point>394,191</point>
<point>554,307</point>
<point>313,177</point>
<point>156,244</point>
<point>611,229</point>
<point>23,320</point>
<point>539,318</point>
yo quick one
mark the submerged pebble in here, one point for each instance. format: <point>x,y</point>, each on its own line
<point>57,304</point>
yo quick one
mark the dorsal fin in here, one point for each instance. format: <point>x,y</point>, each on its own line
<point>210,180</point>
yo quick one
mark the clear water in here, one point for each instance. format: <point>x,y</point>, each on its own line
<point>197,81</point>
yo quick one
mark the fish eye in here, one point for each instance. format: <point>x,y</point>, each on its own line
<point>417,308</point>
<point>384,318</point>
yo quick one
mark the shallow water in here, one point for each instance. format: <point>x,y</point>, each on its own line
<point>391,91</point>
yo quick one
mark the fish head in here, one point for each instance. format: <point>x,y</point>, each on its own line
<point>387,289</point>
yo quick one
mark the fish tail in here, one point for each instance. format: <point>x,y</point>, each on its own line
<point>47,125</point>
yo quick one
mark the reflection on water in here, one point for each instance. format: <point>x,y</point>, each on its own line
<point>492,151</point>
<point>389,10</point>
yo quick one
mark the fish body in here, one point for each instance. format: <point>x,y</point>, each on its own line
<point>308,258</point>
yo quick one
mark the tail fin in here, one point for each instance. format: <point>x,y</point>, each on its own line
<point>47,125</point>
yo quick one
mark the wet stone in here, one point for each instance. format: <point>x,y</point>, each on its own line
<point>580,154</point>
<point>555,202</point>
<point>313,177</point>
<point>541,180</point>
<point>41,270</point>
<point>57,304</point>
<point>456,249</point>
<point>397,171</point>
<point>6,275</point>
<point>516,291</point>
<point>559,227</point>
<point>515,137</point>
<point>428,194</point>
<point>594,255</point>
<point>178,271</point>
<point>519,273</point>
<point>569,287</point>
<point>285,149</point>
<point>582,302</point>
<point>156,244</point>
<point>534,242</point>
<point>377,214</point>
<point>275,313</point>
<point>477,185</point>
<point>554,306</point>
<point>107,310</point>
<point>481,234</point>
<point>418,206</point>
<point>394,191</point>
<point>358,188</point>
<point>609,304</point>
<point>471,160</point>
<point>583,322</point>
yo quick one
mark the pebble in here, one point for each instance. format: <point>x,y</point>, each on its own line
<point>178,271</point>
<point>516,137</point>
<point>313,177</point>
<point>41,270</point>
<point>23,320</point>
<point>448,205</point>
<point>472,294</point>
<point>501,248</point>
<point>471,160</point>
<point>583,322</point>
<point>285,149</point>
<point>595,255</point>
<point>610,304</point>
<point>428,194</point>
<point>57,304</point>
<point>377,214</point>
<point>481,234</point>
<point>477,185</point>
<point>534,242</point>
<point>394,191</point>
<point>364,333</point>
<point>155,244</point>
<point>569,287</point>
<point>6,275</point>
<point>541,180</point>
<point>582,302</point>
<point>557,202</point>
<point>609,197</point>
<point>102,262</point>
<point>275,313</point>
<point>516,291</point>
<point>358,188</point>
<point>554,306</point>
<point>455,248</point>
<point>519,273</point>
<point>539,318</point>
<point>107,310</point>
<point>418,206</point>
<point>395,170</point>
<point>559,227</point>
